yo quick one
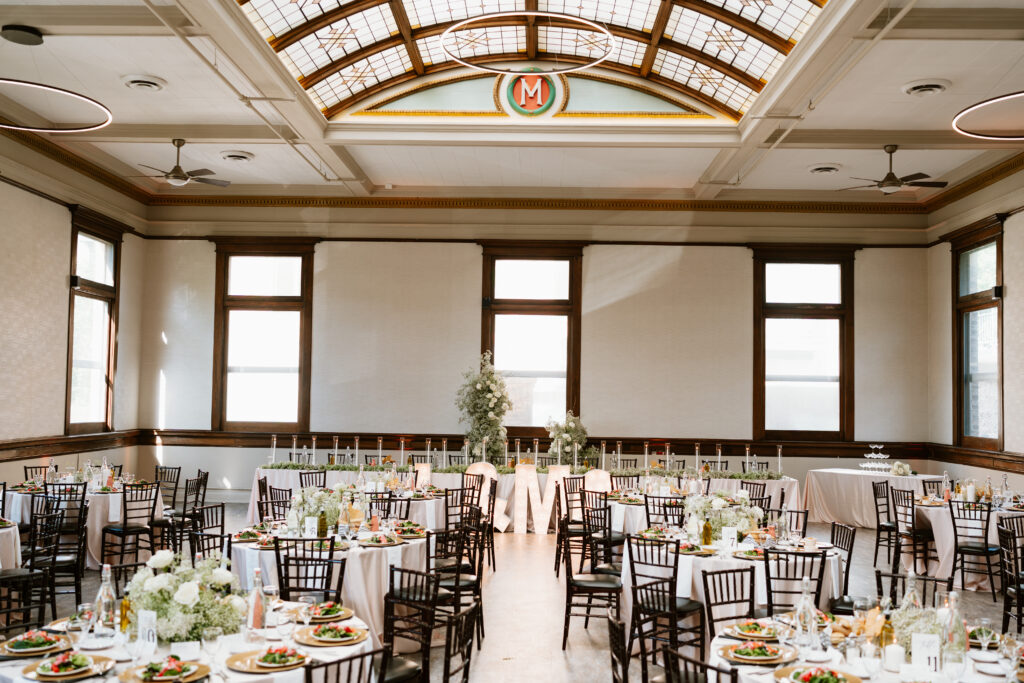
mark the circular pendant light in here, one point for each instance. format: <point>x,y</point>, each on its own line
<point>981,105</point>
<point>107,115</point>
<point>609,45</point>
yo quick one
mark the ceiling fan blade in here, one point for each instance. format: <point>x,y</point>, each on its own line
<point>928,183</point>
<point>142,176</point>
<point>855,187</point>
<point>161,172</point>
<point>870,180</point>
<point>206,171</point>
<point>915,176</point>
<point>213,181</point>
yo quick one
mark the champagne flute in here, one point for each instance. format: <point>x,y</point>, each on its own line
<point>1009,656</point>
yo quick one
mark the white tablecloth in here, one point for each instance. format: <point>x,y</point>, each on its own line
<point>845,495</point>
<point>10,548</point>
<point>104,509</point>
<point>628,519</point>
<point>367,575</point>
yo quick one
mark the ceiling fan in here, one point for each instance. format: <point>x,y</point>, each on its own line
<point>177,177</point>
<point>893,183</point>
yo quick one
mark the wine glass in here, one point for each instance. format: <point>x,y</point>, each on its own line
<point>1009,656</point>
<point>306,608</point>
<point>211,641</point>
<point>984,631</point>
<point>285,627</point>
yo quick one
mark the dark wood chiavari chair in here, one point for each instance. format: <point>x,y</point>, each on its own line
<point>455,503</point>
<point>475,484</point>
<point>3,499</point>
<point>756,489</point>
<point>417,459</point>
<point>1010,569</point>
<point>379,504</point>
<point>276,510</point>
<point>577,535</point>
<point>714,465</point>
<point>44,544</point>
<point>358,668</point>
<point>972,551</point>
<point>263,490</point>
<point>492,495</point>
<point>32,470</point>
<point>470,584</point>
<point>313,478</point>
<point>39,504</point>
<point>410,608</point>
<point>134,532</point>
<point>842,537</point>
<point>602,541</point>
<point>617,646</point>
<point>627,463</point>
<point>599,590</point>
<point>655,619</point>
<point>759,466</point>
<point>624,482</point>
<point>783,572</point>
<point>209,518</point>
<point>664,510</point>
<point>797,519</point>
<point>546,460</point>
<point>204,481</point>
<point>933,487</point>
<point>732,589</point>
<point>455,459</point>
<point>168,478</point>
<point>209,545</point>
<point>176,523</point>
<point>682,669</point>
<point>399,508</point>
<point>885,525</point>
<point>309,567</point>
<point>897,583</point>
<point>69,565</point>
<point>458,643</point>
<point>921,540</point>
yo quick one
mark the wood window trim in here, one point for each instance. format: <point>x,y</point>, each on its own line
<point>844,312</point>
<point>242,246</point>
<point>95,225</point>
<point>494,250</point>
<point>988,230</point>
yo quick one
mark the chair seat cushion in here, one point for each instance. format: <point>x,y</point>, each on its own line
<point>611,568</point>
<point>843,605</point>
<point>448,563</point>
<point>614,537</point>
<point>126,529</point>
<point>686,605</point>
<point>18,573</point>
<point>465,581</point>
<point>596,581</point>
<point>978,548</point>
<point>163,523</point>
<point>887,526</point>
<point>403,668</point>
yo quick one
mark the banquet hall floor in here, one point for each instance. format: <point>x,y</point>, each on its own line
<point>523,603</point>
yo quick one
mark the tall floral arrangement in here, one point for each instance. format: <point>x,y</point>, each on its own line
<point>311,501</point>
<point>186,598</point>
<point>483,401</point>
<point>566,434</point>
<point>721,511</point>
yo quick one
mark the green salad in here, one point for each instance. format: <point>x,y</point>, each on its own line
<point>818,675</point>
<point>65,663</point>
<point>32,640</point>
<point>758,649</point>
<point>334,631</point>
<point>281,656</point>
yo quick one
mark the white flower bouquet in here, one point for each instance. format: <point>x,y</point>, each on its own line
<point>483,401</point>
<point>900,469</point>
<point>717,510</point>
<point>186,599</point>
<point>565,435</point>
<point>310,502</point>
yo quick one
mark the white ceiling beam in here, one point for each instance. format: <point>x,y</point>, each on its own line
<point>97,20</point>
<point>821,138</point>
<point>930,23</point>
<point>163,132</point>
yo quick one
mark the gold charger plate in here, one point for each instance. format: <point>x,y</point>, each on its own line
<point>305,637</point>
<point>133,674</point>
<point>365,544</point>
<point>740,555</point>
<point>787,654</point>
<point>245,662</point>
<point>626,502</point>
<point>346,613</point>
<point>100,665</point>
<point>697,553</point>
<point>733,632</point>
<point>786,673</point>
<point>64,643</point>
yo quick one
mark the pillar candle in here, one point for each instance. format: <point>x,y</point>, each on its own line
<point>575,455</point>
<point>273,448</point>
<point>380,449</point>
<point>778,453</point>
<point>602,456</point>
<point>335,450</point>
<point>618,455</point>
<point>506,452</point>
<point>718,450</point>
<point>356,440</point>
<point>645,454</point>
<point>696,456</point>
<point>401,450</point>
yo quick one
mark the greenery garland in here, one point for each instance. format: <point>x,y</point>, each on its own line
<point>483,402</point>
<point>761,475</point>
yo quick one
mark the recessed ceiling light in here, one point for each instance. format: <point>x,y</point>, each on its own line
<point>824,168</point>
<point>926,87</point>
<point>237,155</point>
<point>22,35</point>
<point>144,82</point>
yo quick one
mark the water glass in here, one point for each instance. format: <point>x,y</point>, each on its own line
<point>985,633</point>
<point>306,608</point>
<point>211,637</point>
<point>1009,657</point>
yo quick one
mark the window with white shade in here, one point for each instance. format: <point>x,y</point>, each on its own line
<point>261,353</point>
<point>803,344</point>
<point>531,324</point>
<point>92,333</point>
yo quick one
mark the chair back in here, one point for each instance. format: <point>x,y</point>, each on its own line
<point>378,503</point>
<point>168,478</point>
<point>756,489</point>
<point>69,498</point>
<point>652,560</point>
<point>784,571</point>
<point>656,619</point>
<point>572,486</point>
<point>894,586</point>
<point>445,550</point>
<point>20,607</point>
<point>492,495</point>
<point>594,499</point>
<point>410,608</point>
<point>903,510</point>
<point>714,465</point>
<point>262,489</point>
<point>1014,523</point>
<point>732,589</point>
<point>617,645</point>
<point>1009,556</point>
<point>313,478</point>
<point>138,504</point>
<point>208,518</point>
<point>400,507</point>
<point>279,494</point>
<point>475,484</point>
<point>455,503</point>
<point>44,541</point>
<point>209,545</point>
<point>764,503</point>
<point>682,669</point>
<point>970,522</point>
<point>276,510</point>
<point>546,460</point>
<point>759,466</point>
<point>627,463</point>
<point>419,459</point>
<point>308,567</point>
<point>882,509</point>
<point>458,643</point>
<point>357,668</point>
<point>842,537</point>
<point>194,494</point>
<point>933,487</point>
<point>796,519</point>
<point>597,526</point>
<point>3,498</point>
<point>664,510</point>
<point>456,459</point>
<point>32,470</point>
<point>623,482</point>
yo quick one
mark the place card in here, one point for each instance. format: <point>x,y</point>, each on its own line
<point>924,651</point>
<point>729,536</point>
<point>309,525</point>
<point>147,631</point>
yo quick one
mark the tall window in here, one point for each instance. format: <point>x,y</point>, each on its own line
<point>803,343</point>
<point>263,335</point>
<point>531,322</point>
<point>978,311</point>
<point>92,329</point>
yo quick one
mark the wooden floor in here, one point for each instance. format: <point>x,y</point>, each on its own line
<point>524,602</point>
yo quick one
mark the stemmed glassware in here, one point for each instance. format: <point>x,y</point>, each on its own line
<point>1009,657</point>
<point>306,608</point>
<point>211,641</point>
<point>985,633</point>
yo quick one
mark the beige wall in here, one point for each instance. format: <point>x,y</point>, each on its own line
<point>35,255</point>
<point>1013,334</point>
<point>939,346</point>
<point>666,342</point>
<point>129,323</point>
<point>890,316</point>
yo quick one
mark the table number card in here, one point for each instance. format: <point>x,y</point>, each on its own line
<point>729,536</point>
<point>309,527</point>
<point>924,651</point>
<point>147,631</point>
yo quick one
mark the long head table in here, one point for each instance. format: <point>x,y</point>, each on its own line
<point>846,496</point>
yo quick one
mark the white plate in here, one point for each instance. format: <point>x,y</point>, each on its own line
<point>70,672</point>
<point>93,643</point>
<point>22,650</point>
<point>749,658</point>
<point>991,670</point>
<point>257,662</point>
<point>189,670</point>
<point>817,656</point>
<point>984,655</point>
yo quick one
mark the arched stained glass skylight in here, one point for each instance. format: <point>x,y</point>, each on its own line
<point>719,52</point>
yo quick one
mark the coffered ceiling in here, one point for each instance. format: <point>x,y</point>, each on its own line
<point>804,84</point>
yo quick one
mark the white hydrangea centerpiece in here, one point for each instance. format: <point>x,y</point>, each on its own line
<point>483,402</point>
<point>900,469</point>
<point>721,511</point>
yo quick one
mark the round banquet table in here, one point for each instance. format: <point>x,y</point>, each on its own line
<point>938,519</point>
<point>10,547</point>
<point>845,495</point>
<point>629,519</point>
<point>104,509</point>
<point>690,582</point>
<point>756,674</point>
<point>367,574</point>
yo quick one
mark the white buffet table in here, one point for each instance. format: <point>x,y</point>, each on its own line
<point>846,496</point>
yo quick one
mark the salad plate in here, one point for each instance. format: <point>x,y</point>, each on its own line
<point>330,611</point>
<point>260,661</point>
<point>762,630</point>
<point>757,652</point>
<point>331,634</point>
<point>379,541</point>
<point>749,554</point>
<point>34,642</point>
<point>99,666</point>
<point>815,674</point>
<point>170,669</point>
<point>63,665</point>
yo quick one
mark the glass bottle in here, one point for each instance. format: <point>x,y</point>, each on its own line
<point>911,599</point>
<point>782,527</point>
<point>256,612</point>
<point>321,525</point>
<point>105,606</point>
<point>988,489</point>
<point>806,616</point>
<point>360,479</point>
<point>51,473</point>
<point>945,485</point>
<point>1004,488</point>
<point>705,534</point>
<point>954,630</point>
<point>126,608</point>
